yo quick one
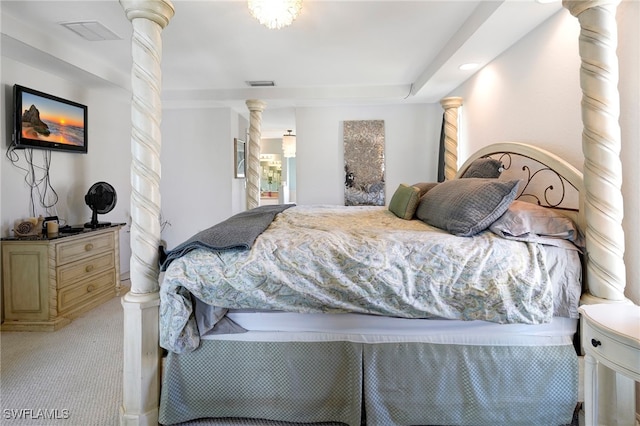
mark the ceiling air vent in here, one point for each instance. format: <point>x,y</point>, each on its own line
<point>91,30</point>
<point>261,83</point>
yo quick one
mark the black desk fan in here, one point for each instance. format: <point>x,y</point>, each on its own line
<point>101,198</point>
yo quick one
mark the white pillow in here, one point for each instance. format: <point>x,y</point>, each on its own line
<point>533,223</point>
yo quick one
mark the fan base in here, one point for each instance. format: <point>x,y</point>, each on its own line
<point>94,225</point>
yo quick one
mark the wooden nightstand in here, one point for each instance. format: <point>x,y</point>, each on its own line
<point>610,339</point>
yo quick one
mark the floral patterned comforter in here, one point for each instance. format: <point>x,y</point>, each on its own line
<point>359,259</point>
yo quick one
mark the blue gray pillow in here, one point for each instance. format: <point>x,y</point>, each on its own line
<point>465,207</point>
<point>486,167</point>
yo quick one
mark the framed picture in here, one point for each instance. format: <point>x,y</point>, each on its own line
<point>239,158</point>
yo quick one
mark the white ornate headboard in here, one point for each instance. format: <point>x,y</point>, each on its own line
<point>546,179</point>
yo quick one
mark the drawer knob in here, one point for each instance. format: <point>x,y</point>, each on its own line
<point>595,343</point>
<point>89,268</point>
<point>88,247</point>
<point>90,288</point>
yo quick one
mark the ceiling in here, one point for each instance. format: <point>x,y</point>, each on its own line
<point>337,52</point>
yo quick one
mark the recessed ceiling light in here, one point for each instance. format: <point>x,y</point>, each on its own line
<point>469,66</point>
<point>546,1</point>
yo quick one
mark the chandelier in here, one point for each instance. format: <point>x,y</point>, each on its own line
<point>275,14</point>
<point>289,145</point>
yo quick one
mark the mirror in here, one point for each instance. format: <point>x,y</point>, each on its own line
<point>270,178</point>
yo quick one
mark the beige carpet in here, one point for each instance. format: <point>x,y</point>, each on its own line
<point>70,377</point>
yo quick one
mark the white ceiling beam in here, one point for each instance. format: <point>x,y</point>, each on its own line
<point>490,31</point>
<point>478,18</point>
<point>302,96</point>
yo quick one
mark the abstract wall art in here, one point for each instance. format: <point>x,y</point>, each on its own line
<point>364,163</point>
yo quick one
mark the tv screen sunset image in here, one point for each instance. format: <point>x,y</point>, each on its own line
<point>53,121</point>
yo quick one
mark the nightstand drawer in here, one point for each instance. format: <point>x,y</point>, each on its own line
<point>75,250</point>
<point>606,348</point>
<point>72,296</point>
<point>70,273</point>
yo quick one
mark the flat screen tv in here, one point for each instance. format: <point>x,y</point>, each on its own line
<point>45,121</point>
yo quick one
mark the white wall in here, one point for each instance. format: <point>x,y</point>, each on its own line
<point>197,170</point>
<point>71,174</point>
<point>531,93</point>
<point>198,185</point>
<point>412,135</point>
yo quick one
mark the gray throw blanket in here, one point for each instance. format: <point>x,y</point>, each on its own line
<point>237,232</point>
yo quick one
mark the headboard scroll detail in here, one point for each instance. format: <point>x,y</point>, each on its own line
<point>546,179</point>
<point>539,183</point>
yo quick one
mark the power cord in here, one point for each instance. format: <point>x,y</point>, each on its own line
<point>37,179</point>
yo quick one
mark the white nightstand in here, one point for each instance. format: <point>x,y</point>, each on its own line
<point>610,338</point>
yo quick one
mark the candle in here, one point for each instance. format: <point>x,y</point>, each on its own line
<point>52,229</point>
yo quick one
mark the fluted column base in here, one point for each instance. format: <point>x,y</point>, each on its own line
<point>141,367</point>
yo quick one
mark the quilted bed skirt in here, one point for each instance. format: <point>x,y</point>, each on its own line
<point>380,384</point>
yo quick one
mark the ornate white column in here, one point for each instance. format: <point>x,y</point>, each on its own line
<point>601,142</point>
<point>141,351</point>
<point>253,158</point>
<point>450,105</point>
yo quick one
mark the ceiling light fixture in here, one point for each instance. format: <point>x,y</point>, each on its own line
<point>289,145</point>
<point>275,14</point>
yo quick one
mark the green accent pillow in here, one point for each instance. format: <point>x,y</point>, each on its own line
<point>465,207</point>
<point>405,201</point>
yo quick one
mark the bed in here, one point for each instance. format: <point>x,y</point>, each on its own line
<point>361,368</point>
<point>392,319</point>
